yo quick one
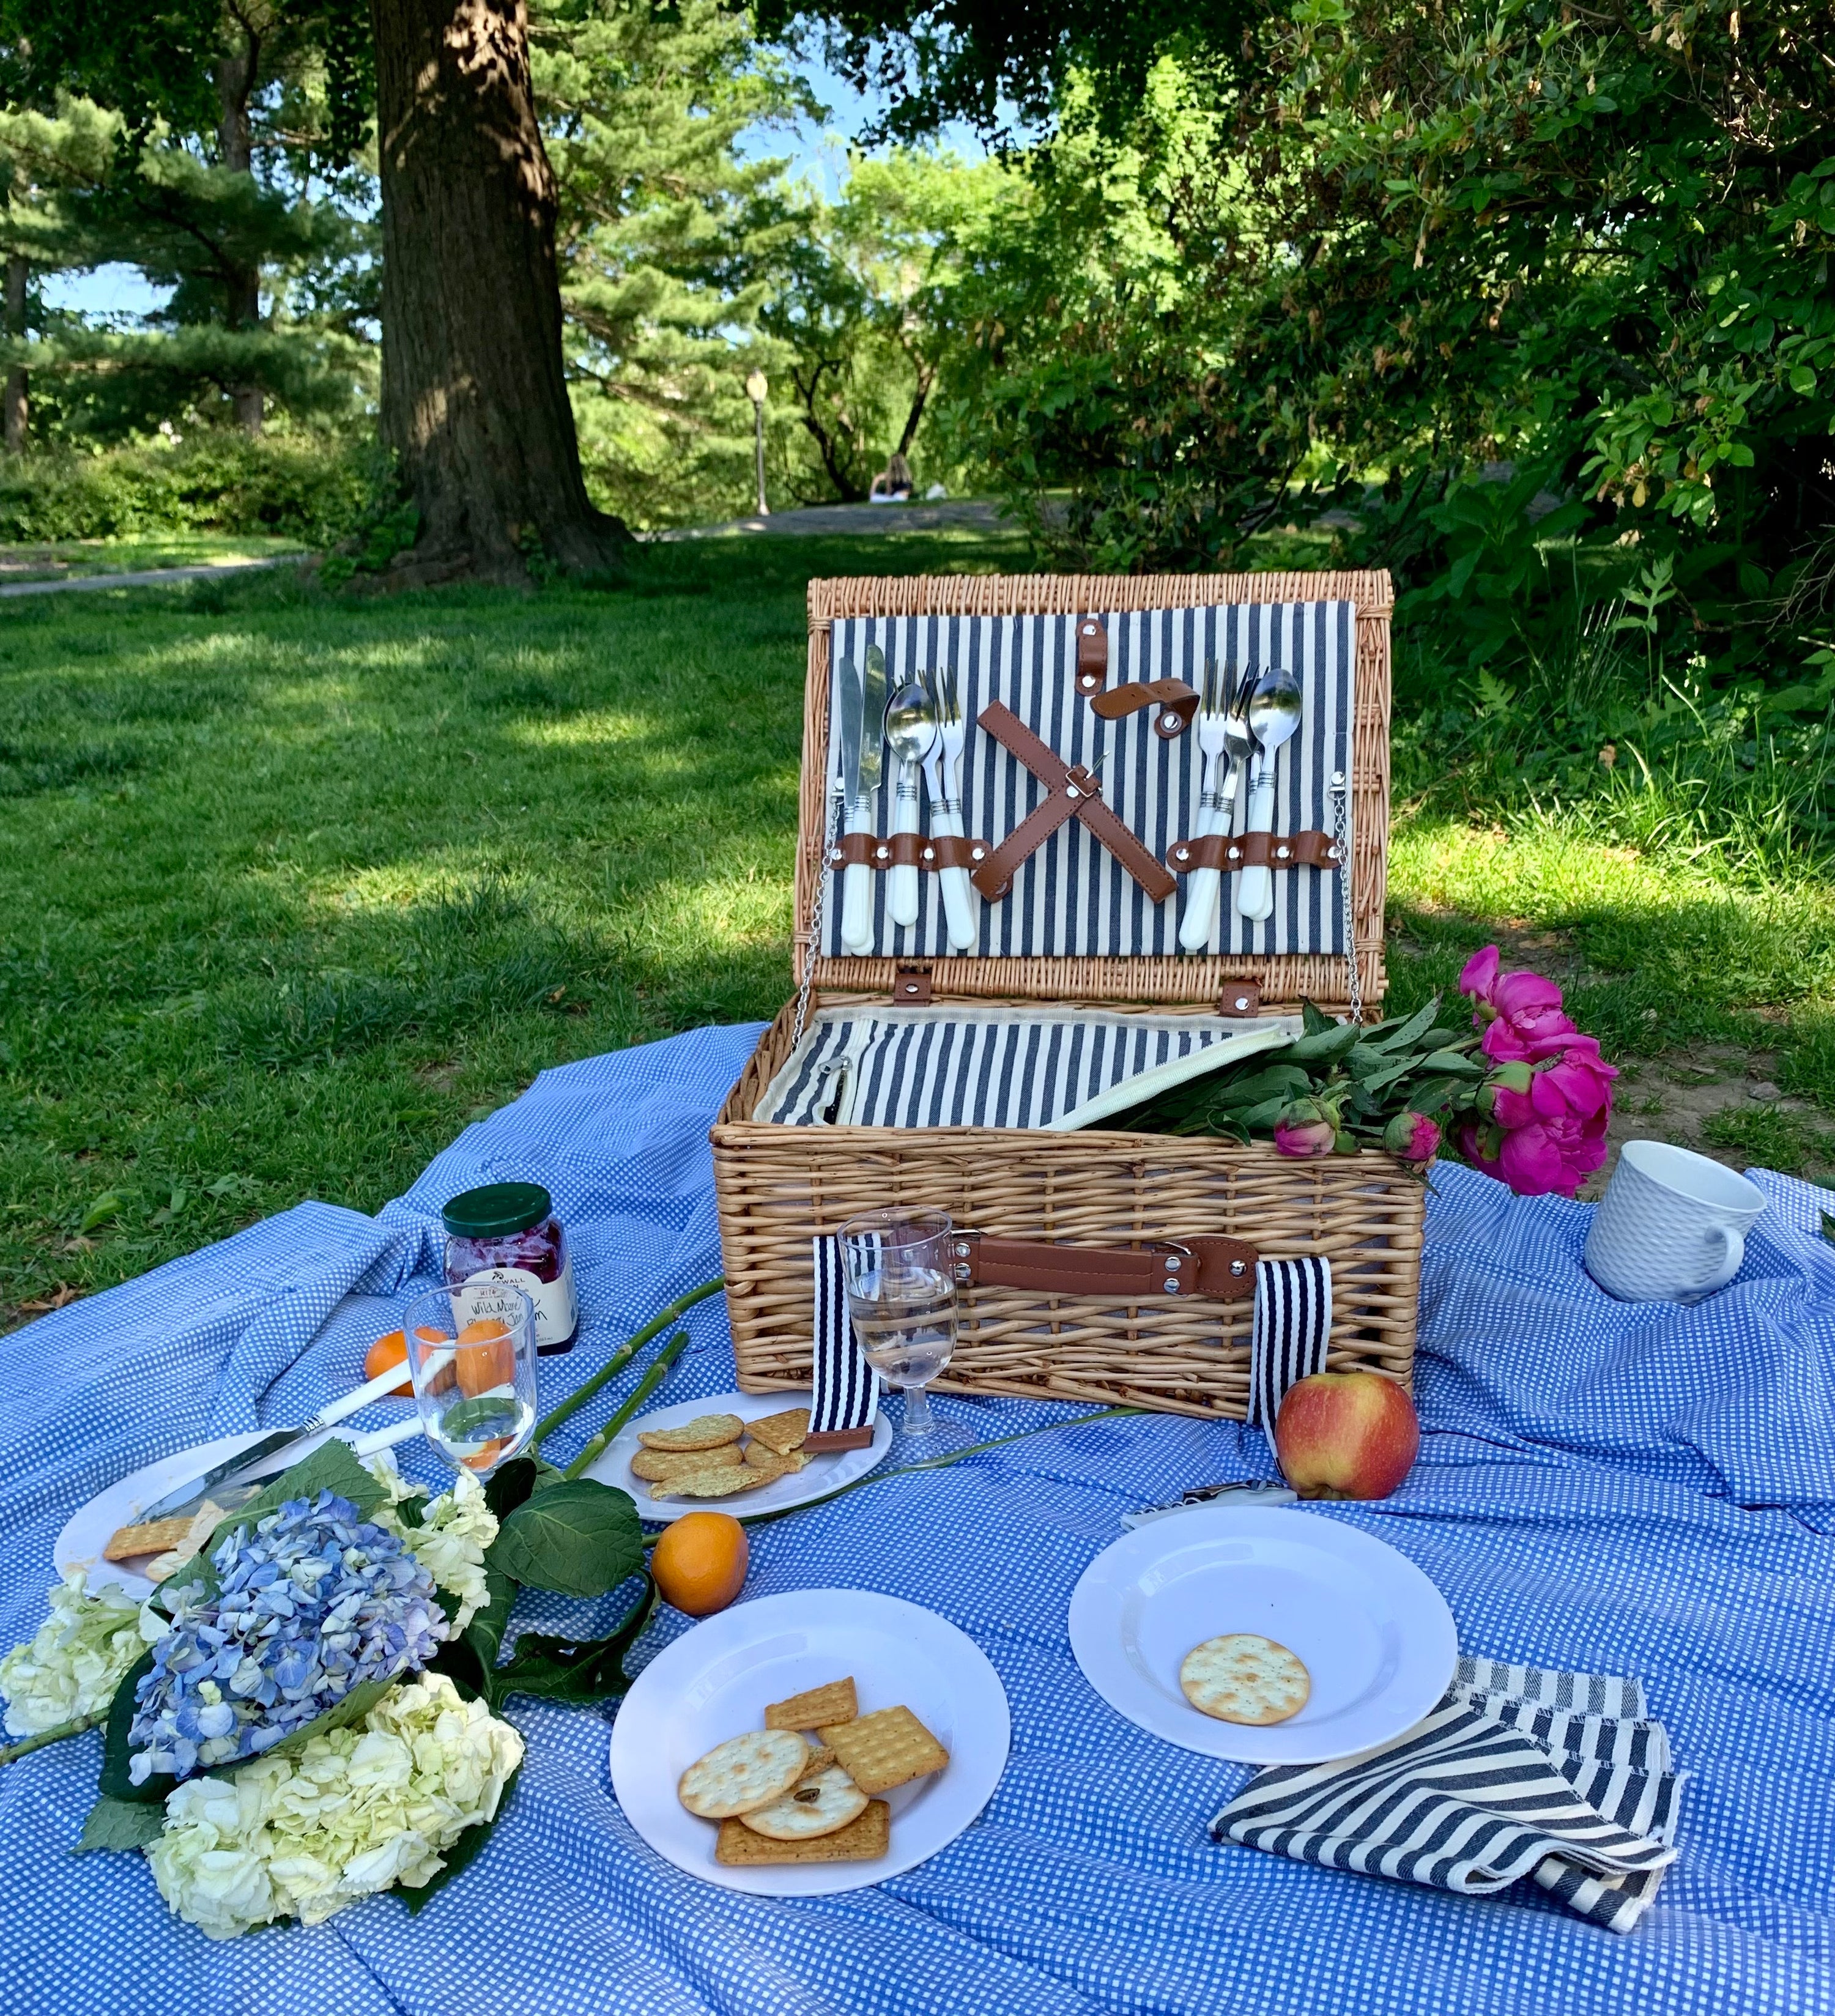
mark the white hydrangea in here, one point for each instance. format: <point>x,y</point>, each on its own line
<point>356,1811</point>
<point>455,1529</point>
<point>77,1659</point>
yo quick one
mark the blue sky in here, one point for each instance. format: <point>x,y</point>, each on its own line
<point>819,156</point>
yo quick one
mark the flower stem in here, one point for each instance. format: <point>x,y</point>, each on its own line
<point>13,1751</point>
<point>659,1369</point>
<point>622,1357</point>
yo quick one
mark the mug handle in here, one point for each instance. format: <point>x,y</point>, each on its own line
<point>1733,1256</point>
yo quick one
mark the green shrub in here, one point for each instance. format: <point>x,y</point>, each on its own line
<point>311,489</point>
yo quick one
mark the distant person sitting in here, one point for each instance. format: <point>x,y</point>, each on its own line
<point>893,484</point>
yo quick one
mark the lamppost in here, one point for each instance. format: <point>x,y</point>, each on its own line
<point>756,388</point>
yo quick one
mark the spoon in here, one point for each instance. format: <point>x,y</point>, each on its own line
<point>1274,709</point>
<point>911,730</point>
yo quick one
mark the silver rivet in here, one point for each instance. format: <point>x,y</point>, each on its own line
<point>1243,1001</point>
<point>1172,1266</point>
<point>1171,1285</point>
<point>962,1273</point>
<point>976,852</point>
<point>1337,776</point>
<point>930,854</point>
<point>1170,722</point>
<point>962,1251</point>
<point>1236,1266</point>
<point>882,853</point>
<point>1280,853</point>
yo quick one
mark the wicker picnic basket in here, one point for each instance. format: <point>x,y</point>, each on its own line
<point>779,1185</point>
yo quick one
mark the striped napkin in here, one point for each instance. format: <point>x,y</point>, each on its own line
<point>1292,1327</point>
<point>1520,1771</point>
<point>845,1395</point>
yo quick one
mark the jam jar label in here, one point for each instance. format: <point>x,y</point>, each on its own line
<point>556,1311</point>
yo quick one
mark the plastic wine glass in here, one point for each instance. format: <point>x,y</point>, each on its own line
<point>471,1353</point>
<point>902,1301</point>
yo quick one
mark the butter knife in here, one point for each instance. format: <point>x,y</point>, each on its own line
<point>863,700</point>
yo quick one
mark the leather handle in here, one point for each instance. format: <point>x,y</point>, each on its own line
<point>1253,850</point>
<point>1221,1270</point>
<point>1073,793</point>
<point>1174,704</point>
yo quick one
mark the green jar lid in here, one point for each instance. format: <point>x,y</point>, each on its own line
<point>495,1209</point>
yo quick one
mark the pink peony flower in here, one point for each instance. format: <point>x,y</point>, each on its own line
<point>1413,1137</point>
<point>1549,1118</point>
<point>1305,1129</point>
<point>1480,973</point>
<point>1515,1010</point>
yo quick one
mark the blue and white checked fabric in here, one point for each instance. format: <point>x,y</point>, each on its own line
<point>1494,1787</point>
<point>1073,899</point>
<point>967,1067</point>
<point>1582,1500</point>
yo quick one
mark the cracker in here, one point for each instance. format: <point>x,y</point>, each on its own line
<point>761,1458</point>
<point>781,1433</point>
<point>1244,1678</point>
<point>812,1807</point>
<point>864,1840</point>
<point>887,1748</point>
<point>743,1772</point>
<point>816,1708</point>
<point>821,1757</point>
<point>712,1483</point>
<point>653,1466</point>
<point>706,1432</point>
<point>154,1538</point>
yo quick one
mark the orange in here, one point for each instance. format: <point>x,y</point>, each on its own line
<point>390,1348</point>
<point>485,1357</point>
<point>700,1563</point>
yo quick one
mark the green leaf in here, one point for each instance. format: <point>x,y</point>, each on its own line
<point>1456,1064</point>
<point>115,1824</point>
<point>114,1783</point>
<point>568,1670</point>
<point>509,1485</point>
<point>578,1539</point>
<point>100,1211</point>
<point>1314,1020</point>
<point>462,1854</point>
<point>488,1414</point>
<point>354,1706</point>
<point>1828,1227</point>
<point>1386,1037</point>
<point>1326,1048</point>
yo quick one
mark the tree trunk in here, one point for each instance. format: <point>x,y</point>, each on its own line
<point>235,86</point>
<point>474,397</point>
<point>16,404</point>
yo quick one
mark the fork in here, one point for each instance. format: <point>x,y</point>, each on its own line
<point>1223,732</point>
<point>943,774</point>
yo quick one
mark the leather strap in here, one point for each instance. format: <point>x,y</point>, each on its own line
<point>1092,656</point>
<point>1073,793</point>
<point>1253,850</point>
<point>932,852</point>
<point>1219,1270</point>
<point>1173,701</point>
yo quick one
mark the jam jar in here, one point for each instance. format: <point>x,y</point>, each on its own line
<point>508,1232</point>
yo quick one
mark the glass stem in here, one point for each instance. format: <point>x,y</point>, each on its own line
<point>919,1419</point>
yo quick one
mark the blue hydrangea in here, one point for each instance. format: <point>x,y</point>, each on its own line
<point>315,1599</point>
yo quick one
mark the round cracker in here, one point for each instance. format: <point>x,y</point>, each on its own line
<point>1243,1678</point>
<point>706,1431</point>
<point>743,1772</point>
<point>821,1804</point>
<point>655,1466</point>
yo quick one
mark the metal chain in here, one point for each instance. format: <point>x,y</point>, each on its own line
<point>821,882</point>
<point>1340,793</point>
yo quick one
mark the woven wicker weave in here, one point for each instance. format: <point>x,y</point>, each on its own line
<point>777,1187</point>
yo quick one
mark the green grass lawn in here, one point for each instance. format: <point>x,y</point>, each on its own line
<point>292,885</point>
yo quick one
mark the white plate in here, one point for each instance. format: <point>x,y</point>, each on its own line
<point>80,1545</point>
<point>1374,1632</point>
<point>717,1680</point>
<point>824,1474</point>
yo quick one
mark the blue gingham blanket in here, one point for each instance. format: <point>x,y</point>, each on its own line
<point>1613,1489</point>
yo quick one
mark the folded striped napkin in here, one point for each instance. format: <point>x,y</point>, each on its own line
<point>1292,1327</point>
<point>1521,1771</point>
<point>845,1400</point>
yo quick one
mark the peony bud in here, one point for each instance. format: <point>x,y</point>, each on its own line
<point>1413,1137</point>
<point>1305,1129</point>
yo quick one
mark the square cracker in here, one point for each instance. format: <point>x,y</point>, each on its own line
<point>864,1840</point>
<point>154,1538</point>
<point>781,1433</point>
<point>887,1748</point>
<point>816,1708</point>
<point>761,1458</point>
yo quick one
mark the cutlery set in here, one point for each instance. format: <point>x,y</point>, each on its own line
<point>1239,730</point>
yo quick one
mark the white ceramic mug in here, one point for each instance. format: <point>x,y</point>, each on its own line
<point>1671,1226</point>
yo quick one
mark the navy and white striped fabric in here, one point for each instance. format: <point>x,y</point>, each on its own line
<point>846,1387</point>
<point>1073,899</point>
<point>964,1067</point>
<point>1292,1327</point>
<point>1497,1784</point>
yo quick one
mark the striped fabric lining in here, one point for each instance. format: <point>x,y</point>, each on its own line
<point>1493,1787</point>
<point>846,1388</point>
<point>957,1068</point>
<point>1073,899</point>
<point>1292,1328</point>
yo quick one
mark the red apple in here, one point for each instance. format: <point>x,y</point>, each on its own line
<point>1346,1434</point>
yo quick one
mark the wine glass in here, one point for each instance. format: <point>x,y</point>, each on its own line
<point>902,1301</point>
<point>472,1357</point>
